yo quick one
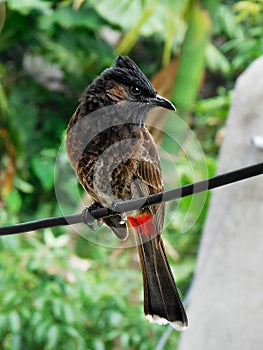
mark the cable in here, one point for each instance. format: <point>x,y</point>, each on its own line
<point>118,206</point>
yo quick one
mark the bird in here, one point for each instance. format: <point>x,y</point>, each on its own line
<point>115,158</point>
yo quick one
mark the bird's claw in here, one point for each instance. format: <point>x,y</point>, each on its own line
<point>123,216</point>
<point>88,219</point>
<point>123,219</point>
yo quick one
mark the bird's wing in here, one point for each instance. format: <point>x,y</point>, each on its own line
<point>150,174</point>
<point>149,168</point>
<point>148,178</point>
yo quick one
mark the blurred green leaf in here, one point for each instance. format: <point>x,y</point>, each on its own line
<point>3,99</point>
<point>23,186</point>
<point>130,39</point>
<point>72,332</point>
<point>189,75</point>
<point>52,241</point>
<point>98,344</point>
<point>15,342</point>
<point>14,321</point>
<point>13,201</point>
<point>70,18</point>
<point>52,337</point>
<point>68,313</point>
<point>2,15</point>
<point>26,6</point>
<point>246,9</point>
<point>118,12</point>
<point>228,23</point>
<point>42,329</point>
<point>216,61</point>
<point>43,167</point>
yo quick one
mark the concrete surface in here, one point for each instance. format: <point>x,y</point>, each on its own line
<point>226,302</point>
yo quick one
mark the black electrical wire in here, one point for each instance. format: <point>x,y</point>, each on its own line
<point>118,207</point>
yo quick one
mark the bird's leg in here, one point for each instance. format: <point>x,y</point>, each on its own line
<point>88,219</point>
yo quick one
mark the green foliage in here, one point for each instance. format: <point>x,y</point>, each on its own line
<point>248,44</point>
<point>63,301</point>
<point>61,292</point>
<point>26,6</point>
<point>165,20</point>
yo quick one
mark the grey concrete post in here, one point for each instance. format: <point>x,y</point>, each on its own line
<point>226,302</point>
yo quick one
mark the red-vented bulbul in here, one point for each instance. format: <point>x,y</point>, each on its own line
<point>115,158</point>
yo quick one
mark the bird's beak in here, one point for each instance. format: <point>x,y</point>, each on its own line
<point>160,101</point>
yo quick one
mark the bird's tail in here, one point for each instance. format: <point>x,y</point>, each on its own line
<point>162,303</point>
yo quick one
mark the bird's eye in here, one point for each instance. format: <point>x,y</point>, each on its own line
<point>136,90</point>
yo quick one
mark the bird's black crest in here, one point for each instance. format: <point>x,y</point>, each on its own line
<point>126,62</point>
<point>127,72</point>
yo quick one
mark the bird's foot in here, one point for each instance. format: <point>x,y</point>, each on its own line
<point>88,219</point>
<point>123,216</point>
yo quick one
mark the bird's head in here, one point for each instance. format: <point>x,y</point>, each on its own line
<point>121,84</point>
<point>126,82</point>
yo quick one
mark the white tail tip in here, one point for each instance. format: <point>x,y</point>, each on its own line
<point>178,325</point>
